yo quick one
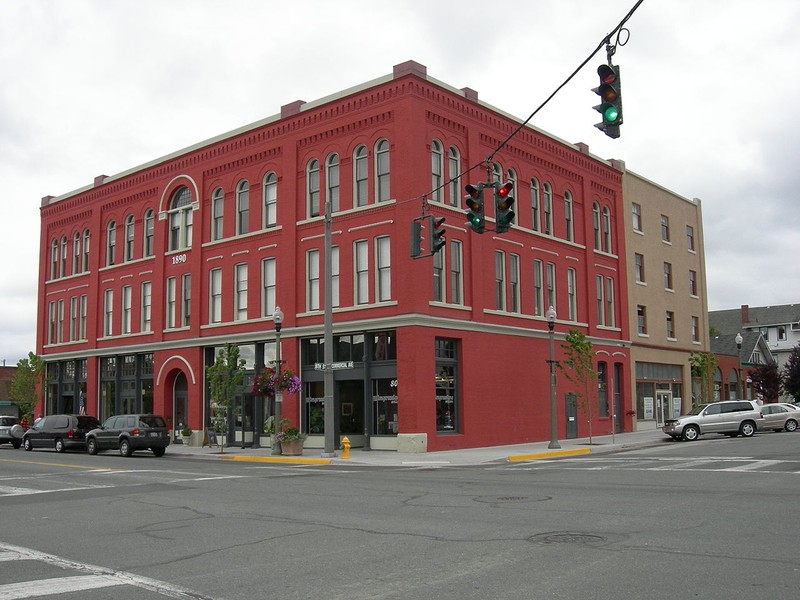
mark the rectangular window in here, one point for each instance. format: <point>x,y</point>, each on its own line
<point>51,322</point>
<point>447,385</point>
<point>108,312</point>
<point>781,333</point>
<point>551,284</point>
<point>568,217</point>
<point>384,267</point>
<point>147,303</point>
<point>600,290</point>
<point>169,315</point>
<point>693,283</point>
<point>127,309</point>
<point>60,331</point>
<point>186,299</point>
<point>217,203</point>
<point>610,320</point>
<point>602,389</point>
<point>572,294</point>
<point>215,296</point>
<point>312,280</point>
<point>268,289</point>
<point>456,273</point>
<point>637,216</point>
<point>335,276</point>
<point>695,329</point>
<point>513,275</point>
<point>361,253</point>
<point>499,280</point>
<point>538,288</point>
<point>639,267</point>
<point>665,228</point>
<point>670,325</point>
<point>73,318</point>
<point>438,277</point>
<point>667,276</point>
<point>641,316</point>
<point>240,298</point>
<point>690,238</point>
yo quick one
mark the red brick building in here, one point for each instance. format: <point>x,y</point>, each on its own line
<point>145,274</point>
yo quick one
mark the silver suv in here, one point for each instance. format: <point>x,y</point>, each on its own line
<point>731,417</point>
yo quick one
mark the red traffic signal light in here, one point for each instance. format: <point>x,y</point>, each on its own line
<point>503,203</point>
<point>436,239</point>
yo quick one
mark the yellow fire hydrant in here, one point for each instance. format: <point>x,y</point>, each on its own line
<point>345,447</point>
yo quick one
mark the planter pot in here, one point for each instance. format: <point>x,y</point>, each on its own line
<point>292,447</point>
<point>187,440</point>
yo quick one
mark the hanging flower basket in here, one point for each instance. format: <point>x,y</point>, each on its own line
<point>269,381</point>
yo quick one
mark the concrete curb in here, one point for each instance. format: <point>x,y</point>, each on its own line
<point>295,460</point>
<point>548,454</point>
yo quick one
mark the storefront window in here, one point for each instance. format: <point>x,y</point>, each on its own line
<point>384,407</point>
<point>314,408</point>
<point>447,408</point>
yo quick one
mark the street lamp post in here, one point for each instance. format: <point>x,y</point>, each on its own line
<point>739,384</point>
<point>277,317</point>
<point>551,323</point>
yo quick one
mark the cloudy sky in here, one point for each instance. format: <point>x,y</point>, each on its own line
<point>711,95</point>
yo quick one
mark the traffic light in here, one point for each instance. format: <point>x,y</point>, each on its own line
<point>416,237</point>
<point>503,203</point>
<point>610,107</point>
<point>476,217</point>
<point>436,238</point>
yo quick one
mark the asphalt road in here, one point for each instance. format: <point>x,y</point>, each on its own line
<point>716,518</point>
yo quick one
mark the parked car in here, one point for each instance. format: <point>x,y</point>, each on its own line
<point>60,432</point>
<point>780,416</point>
<point>11,431</point>
<point>128,433</point>
<point>731,417</point>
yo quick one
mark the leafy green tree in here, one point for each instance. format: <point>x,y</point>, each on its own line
<point>791,374</point>
<point>224,378</point>
<point>703,365</point>
<point>768,380</point>
<point>25,385</point>
<point>577,368</point>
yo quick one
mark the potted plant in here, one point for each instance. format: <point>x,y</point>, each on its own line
<point>291,440</point>
<point>186,435</point>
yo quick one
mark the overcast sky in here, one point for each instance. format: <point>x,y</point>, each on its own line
<point>710,92</point>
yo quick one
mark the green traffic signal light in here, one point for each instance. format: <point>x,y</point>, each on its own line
<point>610,107</point>
<point>476,215</point>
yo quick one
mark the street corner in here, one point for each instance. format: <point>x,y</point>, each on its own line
<point>548,454</point>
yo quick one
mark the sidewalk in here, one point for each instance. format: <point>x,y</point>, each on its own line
<point>470,456</point>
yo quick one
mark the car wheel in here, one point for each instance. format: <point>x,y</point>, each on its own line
<point>16,444</point>
<point>26,443</point>
<point>125,448</point>
<point>59,445</point>
<point>91,446</point>
<point>747,429</point>
<point>158,451</point>
<point>691,433</point>
<point>791,425</point>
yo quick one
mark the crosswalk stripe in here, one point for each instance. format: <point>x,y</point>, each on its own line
<point>58,585</point>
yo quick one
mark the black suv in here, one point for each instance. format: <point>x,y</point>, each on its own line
<point>128,433</point>
<point>59,432</point>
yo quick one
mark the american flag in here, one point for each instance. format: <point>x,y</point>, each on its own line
<point>82,405</point>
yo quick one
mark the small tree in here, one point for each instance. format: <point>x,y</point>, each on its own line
<point>224,378</point>
<point>703,365</point>
<point>577,368</point>
<point>767,379</point>
<point>791,374</point>
<point>24,384</point>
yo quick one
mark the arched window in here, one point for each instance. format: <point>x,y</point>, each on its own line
<point>76,253</point>
<point>547,209</point>
<point>129,237</point>
<point>85,258</point>
<point>270,200</point>
<point>62,268</point>
<point>312,187</point>
<point>454,173</point>
<point>332,181</point>
<point>242,207</point>
<point>149,227</point>
<point>360,177</point>
<point>382,171</point>
<point>217,211</point>
<point>569,217</point>
<point>54,259</point>
<point>180,219</point>
<point>596,225</point>
<point>607,230</point>
<point>111,242</point>
<point>535,206</point>
<point>437,171</point>
<point>497,172</point>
